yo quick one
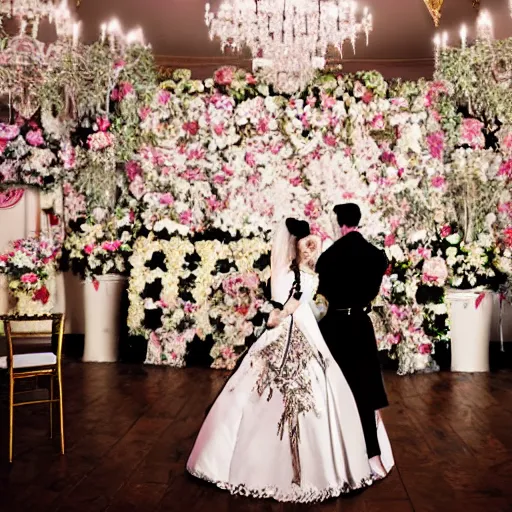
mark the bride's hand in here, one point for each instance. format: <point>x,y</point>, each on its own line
<point>274,319</point>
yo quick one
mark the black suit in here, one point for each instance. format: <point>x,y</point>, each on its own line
<point>351,273</point>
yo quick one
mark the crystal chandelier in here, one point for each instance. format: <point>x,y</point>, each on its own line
<point>288,39</point>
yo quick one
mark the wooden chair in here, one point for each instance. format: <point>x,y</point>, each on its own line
<point>33,355</point>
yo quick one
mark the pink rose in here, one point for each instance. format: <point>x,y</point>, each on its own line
<point>425,348</point>
<point>378,123</point>
<point>224,76</point>
<point>29,278</point>
<point>250,160</point>
<point>166,199</point>
<point>103,123</point>
<point>507,237</point>
<point>312,210</point>
<point>186,217</point>
<point>89,249</point>
<point>100,140</point>
<point>471,133</point>
<point>133,169</point>
<point>144,112</point>
<point>435,143</point>
<point>367,97</point>
<point>506,169</point>
<point>111,246</point>
<point>163,97</point>
<point>389,240</point>
<point>123,90</point>
<point>250,79</point>
<point>191,127</point>
<point>9,131</point>
<point>438,181</point>
<point>218,129</point>
<point>329,139</point>
<point>35,138</point>
<point>446,230</point>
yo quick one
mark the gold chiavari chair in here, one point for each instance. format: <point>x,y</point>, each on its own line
<point>33,355</point>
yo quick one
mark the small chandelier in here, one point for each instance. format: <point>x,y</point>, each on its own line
<point>288,39</point>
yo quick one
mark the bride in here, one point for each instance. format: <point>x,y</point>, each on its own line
<point>286,425</point>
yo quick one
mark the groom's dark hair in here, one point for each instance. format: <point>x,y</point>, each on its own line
<point>348,214</point>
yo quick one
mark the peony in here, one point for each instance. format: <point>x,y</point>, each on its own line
<point>224,75</point>
<point>35,138</point>
<point>29,278</point>
<point>435,271</point>
<point>471,133</point>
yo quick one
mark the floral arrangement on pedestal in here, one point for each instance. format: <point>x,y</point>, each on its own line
<point>30,265</point>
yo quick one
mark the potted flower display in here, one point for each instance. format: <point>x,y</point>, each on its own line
<point>30,267</point>
<point>98,251</point>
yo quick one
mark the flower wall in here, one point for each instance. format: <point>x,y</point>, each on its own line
<point>180,183</point>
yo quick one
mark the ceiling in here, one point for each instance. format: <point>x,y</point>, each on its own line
<point>400,44</point>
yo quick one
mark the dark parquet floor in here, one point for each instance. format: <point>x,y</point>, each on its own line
<point>130,430</point>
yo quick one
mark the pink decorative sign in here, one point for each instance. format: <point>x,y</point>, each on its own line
<point>10,198</point>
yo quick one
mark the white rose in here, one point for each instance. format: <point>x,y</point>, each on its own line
<point>453,239</point>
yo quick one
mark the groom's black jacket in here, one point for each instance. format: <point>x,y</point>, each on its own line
<point>351,273</point>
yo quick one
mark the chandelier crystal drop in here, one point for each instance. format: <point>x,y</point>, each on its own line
<point>288,39</point>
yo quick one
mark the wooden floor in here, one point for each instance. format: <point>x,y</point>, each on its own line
<point>130,430</point>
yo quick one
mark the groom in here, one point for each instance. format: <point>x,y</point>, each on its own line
<point>350,273</point>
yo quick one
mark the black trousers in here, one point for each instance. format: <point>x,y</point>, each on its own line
<point>369,425</point>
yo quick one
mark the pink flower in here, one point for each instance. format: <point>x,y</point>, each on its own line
<point>103,123</point>
<point>29,278</point>
<point>425,348</point>
<point>9,131</point>
<point>435,143</point>
<point>224,75</point>
<point>367,97</point>
<point>295,181</point>
<point>189,308</point>
<point>218,129</point>
<point>88,249</point>
<point>166,199</point>
<point>327,101</point>
<point>312,210</point>
<point>329,139</point>
<point>507,237</point>
<point>35,138</point>
<point>186,217</point>
<point>506,142</point>
<point>250,79</point>
<point>389,240</point>
<point>471,133</point>
<point>123,90</point>
<point>132,169</point>
<point>213,203</point>
<point>262,127</point>
<point>250,160</point>
<point>446,230</point>
<point>227,352</point>
<point>119,64</point>
<point>163,97</point>
<point>435,271</point>
<point>400,102</point>
<point>438,181</point>
<point>144,112</point>
<point>378,123</point>
<point>137,187</point>
<point>506,169</point>
<point>191,127</point>
<point>100,140</point>
<point>68,156</point>
<point>155,340</point>
<point>111,246</point>
<point>219,179</point>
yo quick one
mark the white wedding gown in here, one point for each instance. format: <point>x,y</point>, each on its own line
<point>286,425</point>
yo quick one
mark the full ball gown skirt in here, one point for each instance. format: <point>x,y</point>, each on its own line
<point>286,425</point>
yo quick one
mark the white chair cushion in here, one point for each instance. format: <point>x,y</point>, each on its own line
<point>30,360</point>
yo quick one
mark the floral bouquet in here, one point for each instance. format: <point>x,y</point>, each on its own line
<point>28,155</point>
<point>100,248</point>
<point>30,266</point>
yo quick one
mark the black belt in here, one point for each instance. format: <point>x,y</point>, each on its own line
<point>350,311</point>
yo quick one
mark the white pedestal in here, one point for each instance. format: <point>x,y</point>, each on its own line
<point>102,318</point>
<point>470,330</point>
